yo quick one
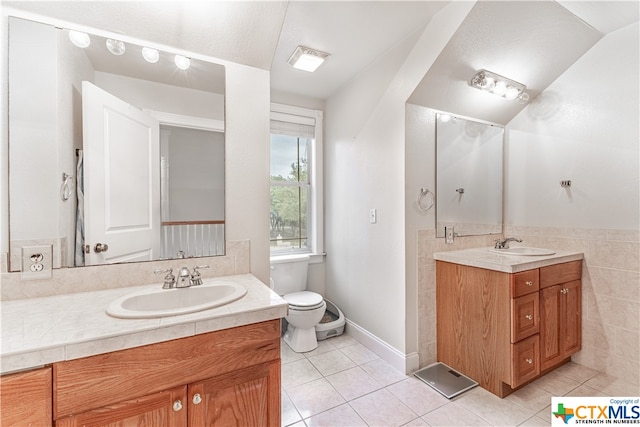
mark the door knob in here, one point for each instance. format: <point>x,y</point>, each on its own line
<point>101,247</point>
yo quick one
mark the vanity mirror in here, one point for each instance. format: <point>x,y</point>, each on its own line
<point>116,151</point>
<point>468,176</point>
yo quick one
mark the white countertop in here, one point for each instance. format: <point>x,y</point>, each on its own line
<point>39,331</point>
<point>483,258</point>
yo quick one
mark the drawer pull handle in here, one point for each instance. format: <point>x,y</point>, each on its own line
<point>529,283</point>
<point>197,398</point>
<point>177,405</point>
<point>529,361</point>
<point>529,317</point>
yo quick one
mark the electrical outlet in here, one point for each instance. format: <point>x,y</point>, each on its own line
<point>37,262</point>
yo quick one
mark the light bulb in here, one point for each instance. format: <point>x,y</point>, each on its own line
<point>79,38</point>
<point>523,97</point>
<point>488,83</point>
<point>150,55</point>
<point>444,118</point>
<point>511,93</point>
<point>182,62</point>
<point>500,88</point>
<point>116,47</point>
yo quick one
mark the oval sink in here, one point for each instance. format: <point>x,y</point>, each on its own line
<point>523,250</point>
<point>172,302</point>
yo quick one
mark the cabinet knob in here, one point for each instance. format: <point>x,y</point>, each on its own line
<point>177,405</point>
<point>529,283</point>
<point>529,361</point>
<point>529,317</point>
<point>564,291</point>
<point>197,398</point>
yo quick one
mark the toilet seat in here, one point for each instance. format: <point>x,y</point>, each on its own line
<point>304,300</point>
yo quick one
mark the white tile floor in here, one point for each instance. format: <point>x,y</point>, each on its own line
<point>342,383</point>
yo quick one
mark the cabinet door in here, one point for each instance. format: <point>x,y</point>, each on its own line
<point>25,398</point>
<point>561,329</point>
<point>248,397</point>
<point>167,408</point>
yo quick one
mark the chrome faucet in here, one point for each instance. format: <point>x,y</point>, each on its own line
<point>169,279</point>
<point>184,278</point>
<point>504,244</point>
<point>196,280</point>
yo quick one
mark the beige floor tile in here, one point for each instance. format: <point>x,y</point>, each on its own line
<point>298,372</point>
<point>289,414</point>
<point>418,396</point>
<point>381,408</point>
<point>353,383</point>
<point>324,346</point>
<point>576,372</point>
<point>340,416</point>
<point>359,353</point>
<point>314,397</point>
<point>585,390</point>
<point>418,422</point>
<point>342,341</point>
<point>531,397</point>
<point>556,384</point>
<point>452,414</point>
<point>331,362</point>
<point>613,386</point>
<point>383,372</point>
<point>496,411</point>
<point>535,422</point>
<point>287,355</point>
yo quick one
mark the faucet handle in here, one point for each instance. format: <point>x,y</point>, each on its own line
<point>196,279</point>
<point>169,279</point>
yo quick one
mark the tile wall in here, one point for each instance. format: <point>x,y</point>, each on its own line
<point>237,260</point>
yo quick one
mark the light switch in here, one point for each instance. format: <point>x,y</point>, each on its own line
<point>373,216</point>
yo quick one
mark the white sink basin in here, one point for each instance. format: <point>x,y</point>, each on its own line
<point>523,250</point>
<point>172,302</point>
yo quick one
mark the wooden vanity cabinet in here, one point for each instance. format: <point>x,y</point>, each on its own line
<point>25,398</point>
<point>504,330</point>
<point>228,377</point>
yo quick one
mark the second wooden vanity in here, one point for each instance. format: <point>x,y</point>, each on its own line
<point>504,329</point>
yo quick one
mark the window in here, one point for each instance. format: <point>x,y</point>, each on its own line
<point>296,180</point>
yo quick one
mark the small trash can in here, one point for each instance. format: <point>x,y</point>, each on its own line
<point>332,323</point>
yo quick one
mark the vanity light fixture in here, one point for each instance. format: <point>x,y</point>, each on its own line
<point>150,55</point>
<point>79,38</point>
<point>307,59</point>
<point>116,47</point>
<point>499,85</point>
<point>182,62</point>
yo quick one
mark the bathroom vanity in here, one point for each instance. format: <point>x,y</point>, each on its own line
<point>505,320</point>
<point>215,367</point>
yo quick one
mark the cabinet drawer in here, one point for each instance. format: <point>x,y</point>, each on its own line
<point>96,381</point>
<point>524,283</point>
<point>525,316</point>
<point>560,273</point>
<point>525,360</point>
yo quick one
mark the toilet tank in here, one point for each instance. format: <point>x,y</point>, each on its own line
<point>289,274</point>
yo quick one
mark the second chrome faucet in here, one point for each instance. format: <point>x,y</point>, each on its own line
<point>185,278</point>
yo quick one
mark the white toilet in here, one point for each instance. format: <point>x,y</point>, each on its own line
<point>289,279</point>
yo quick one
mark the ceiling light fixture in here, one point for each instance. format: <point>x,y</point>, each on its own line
<point>150,55</point>
<point>116,47</point>
<point>79,38</point>
<point>499,85</point>
<point>307,59</point>
<point>182,62</point>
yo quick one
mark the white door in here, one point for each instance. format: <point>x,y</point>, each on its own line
<point>122,179</point>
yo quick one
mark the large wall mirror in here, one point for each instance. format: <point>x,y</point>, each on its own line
<point>469,163</point>
<point>116,151</point>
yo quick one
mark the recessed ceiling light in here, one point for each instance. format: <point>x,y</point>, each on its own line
<point>79,38</point>
<point>307,59</point>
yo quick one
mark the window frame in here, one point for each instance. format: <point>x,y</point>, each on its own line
<point>315,221</point>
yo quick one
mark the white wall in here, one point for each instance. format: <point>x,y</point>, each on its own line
<point>364,169</point>
<point>585,127</point>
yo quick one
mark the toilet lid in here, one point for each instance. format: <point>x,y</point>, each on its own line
<point>303,299</point>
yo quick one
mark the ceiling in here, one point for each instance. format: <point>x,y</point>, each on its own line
<point>536,37</point>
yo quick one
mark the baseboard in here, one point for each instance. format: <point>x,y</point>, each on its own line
<point>407,363</point>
